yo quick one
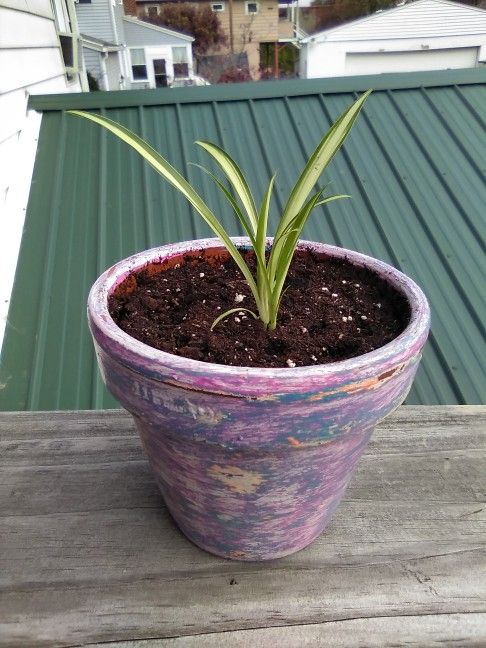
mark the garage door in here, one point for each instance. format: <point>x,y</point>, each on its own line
<point>439,59</point>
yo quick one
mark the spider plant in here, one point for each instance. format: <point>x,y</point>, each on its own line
<point>272,268</point>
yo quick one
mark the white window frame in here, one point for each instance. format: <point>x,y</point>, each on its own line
<point>66,26</point>
<point>147,79</point>
<point>186,60</point>
<point>218,4</point>
<point>252,13</point>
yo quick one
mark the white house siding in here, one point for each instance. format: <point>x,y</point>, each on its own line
<point>30,63</point>
<point>92,62</point>
<point>376,62</point>
<point>416,20</point>
<point>94,19</point>
<point>138,34</point>
<point>424,35</point>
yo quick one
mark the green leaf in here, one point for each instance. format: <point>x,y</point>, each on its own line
<point>162,166</point>
<point>231,200</point>
<point>263,281</point>
<point>236,178</point>
<point>287,249</point>
<point>229,312</point>
<point>323,154</point>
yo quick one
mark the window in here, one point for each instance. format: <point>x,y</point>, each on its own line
<point>66,27</point>
<point>67,47</point>
<point>251,7</point>
<point>139,67</point>
<point>217,6</point>
<point>153,12</point>
<point>83,1</point>
<point>180,61</point>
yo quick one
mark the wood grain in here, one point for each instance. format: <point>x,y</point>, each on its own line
<point>89,554</point>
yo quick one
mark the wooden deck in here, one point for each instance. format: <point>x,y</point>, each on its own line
<point>88,553</point>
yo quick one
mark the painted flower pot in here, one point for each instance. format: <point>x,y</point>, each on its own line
<point>253,462</point>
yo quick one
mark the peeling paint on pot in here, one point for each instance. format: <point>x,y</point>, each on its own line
<point>253,462</point>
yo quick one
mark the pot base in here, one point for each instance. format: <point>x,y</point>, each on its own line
<point>249,505</point>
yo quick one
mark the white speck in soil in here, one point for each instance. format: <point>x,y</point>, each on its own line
<point>290,363</point>
<point>379,305</point>
<point>201,274</point>
<point>345,319</point>
<point>325,289</point>
<point>313,357</point>
<point>363,317</point>
<point>303,329</point>
<point>218,307</point>
<point>357,285</point>
<point>239,298</point>
<point>237,320</point>
<point>341,335</point>
<point>177,265</point>
<point>344,281</point>
<point>334,295</point>
<point>350,319</point>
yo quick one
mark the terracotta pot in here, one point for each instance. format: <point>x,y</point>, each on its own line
<point>253,462</point>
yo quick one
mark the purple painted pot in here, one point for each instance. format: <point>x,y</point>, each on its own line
<point>253,462</point>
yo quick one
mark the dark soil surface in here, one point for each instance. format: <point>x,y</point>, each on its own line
<point>330,311</point>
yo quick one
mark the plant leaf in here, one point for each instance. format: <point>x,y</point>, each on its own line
<point>236,178</point>
<point>263,281</point>
<point>228,312</point>
<point>288,243</point>
<point>165,169</point>
<point>231,200</point>
<point>323,154</point>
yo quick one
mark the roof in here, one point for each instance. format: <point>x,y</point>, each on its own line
<point>98,44</point>
<point>420,19</point>
<point>141,24</point>
<point>414,165</point>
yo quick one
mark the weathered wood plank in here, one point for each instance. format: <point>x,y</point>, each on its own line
<point>88,552</point>
<point>381,632</point>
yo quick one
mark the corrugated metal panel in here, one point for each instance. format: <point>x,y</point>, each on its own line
<point>415,166</point>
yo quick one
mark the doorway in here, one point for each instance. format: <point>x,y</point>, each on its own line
<point>160,73</point>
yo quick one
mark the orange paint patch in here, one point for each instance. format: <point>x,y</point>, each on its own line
<point>236,479</point>
<point>293,442</point>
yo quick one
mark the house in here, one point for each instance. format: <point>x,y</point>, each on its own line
<point>421,35</point>
<point>251,28</point>
<point>122,52</point>
<point>414,168</point>
<point>39,53</point>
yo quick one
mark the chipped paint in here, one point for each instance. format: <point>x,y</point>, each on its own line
<point>252,463</point>
<point>236,479</point>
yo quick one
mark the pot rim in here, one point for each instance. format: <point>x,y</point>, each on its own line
<point>162,365</point>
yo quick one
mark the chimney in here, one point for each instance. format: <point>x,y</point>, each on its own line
<point>130,7</point>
